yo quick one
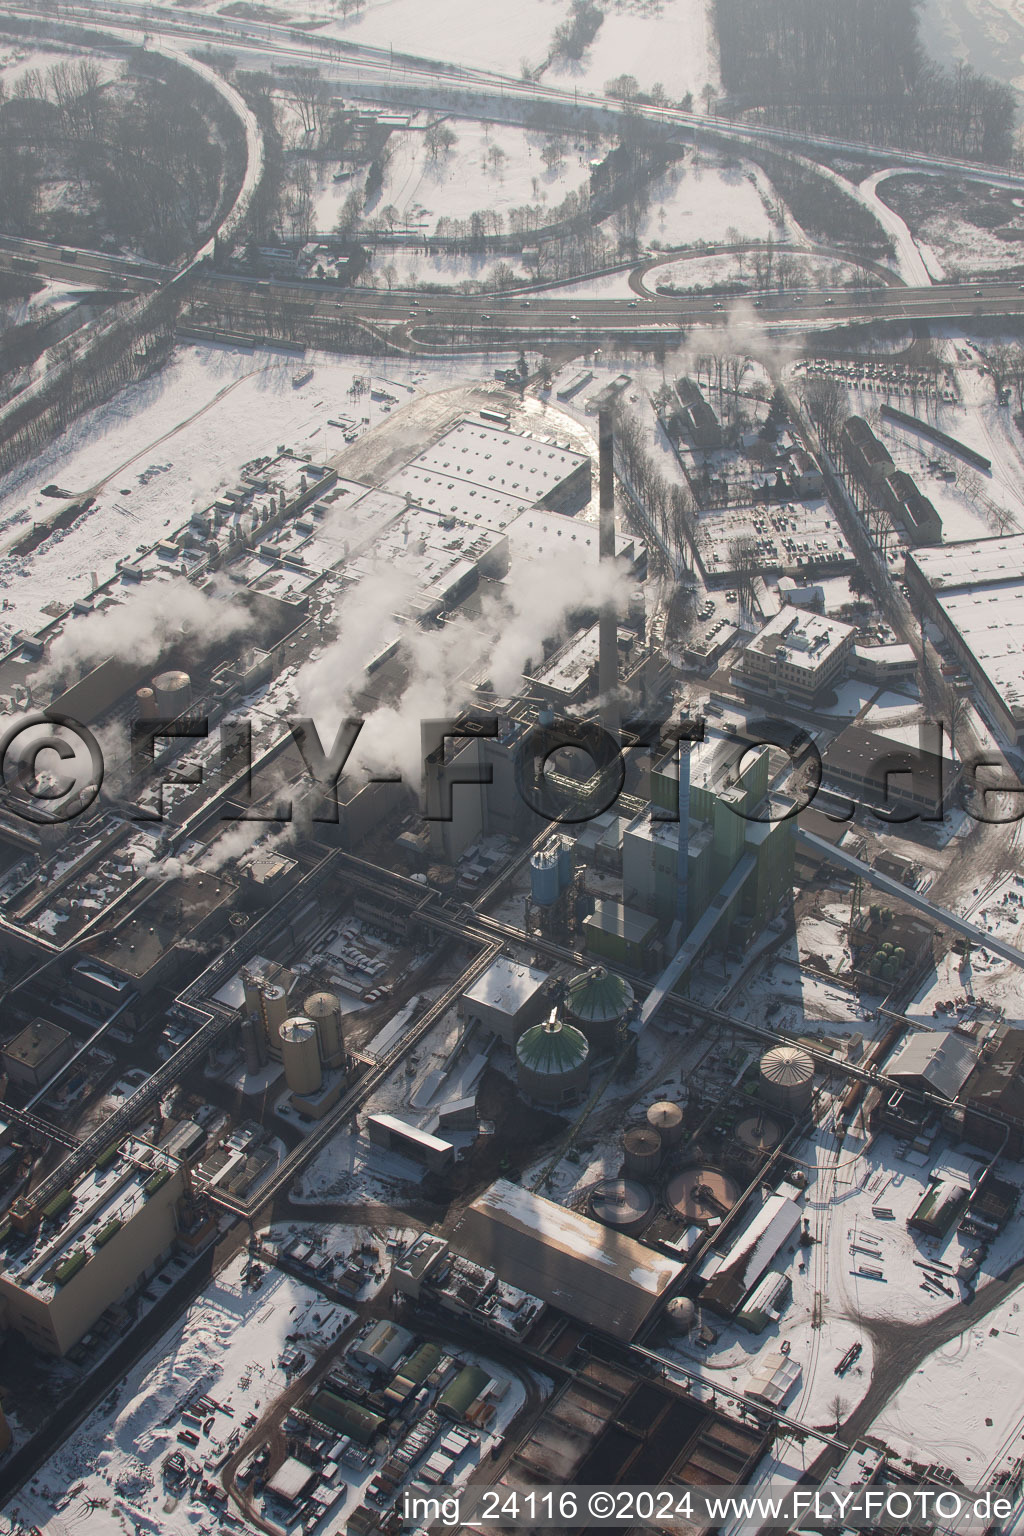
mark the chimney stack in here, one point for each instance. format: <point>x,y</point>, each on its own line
<point>608,648</point>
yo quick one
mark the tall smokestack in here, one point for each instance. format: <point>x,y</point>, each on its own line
<point>608,648</point>
<point>683,844</point>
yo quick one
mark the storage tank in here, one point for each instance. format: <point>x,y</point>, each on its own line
<point>787,1078</point>
<point>552,1062</point>
<point>253,1046</point>
<point>544,887</point>
<point>301,1056</point>
<point>145,704</point>
<point>667,1119</point>
<point>620,1203</point>
<point>325,1011</point>
<point>681,1313</point>
<point>596,1002</point>
<point>173,694</point>
<point>641,1152</point>
<point>275,1011</point>
<point>252,987</point>
<point>565,848</point>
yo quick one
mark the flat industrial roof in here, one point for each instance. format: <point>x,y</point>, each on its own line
<point>593,1273</point>
<point>506,985</point>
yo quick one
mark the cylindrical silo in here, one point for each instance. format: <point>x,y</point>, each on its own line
<point>145,704</point>
<point>641,1152</point>
<point>325,1011</point>
<point>552,1062</point>
<point>787,1078</point>
<point>252,987</point>
<point>173,694</point>
<point>565,848</point>
<point>252,1046</point>
<point>275,1011</point>
<point>301,1056</point>
<point>667,1119</point>
<point>544,887</point>
<point>596,1002</point>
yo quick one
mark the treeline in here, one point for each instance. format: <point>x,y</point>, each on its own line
<point>856,68</point>
<point>148,159</point>
<point>821,207</point>
<point>667,504</point>
<point>122,352</point>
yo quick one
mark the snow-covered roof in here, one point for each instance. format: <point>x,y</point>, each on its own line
<point>944,1060</point>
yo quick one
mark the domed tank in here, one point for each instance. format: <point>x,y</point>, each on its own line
<point>552,1062</point>
<point>145,703</point>
<point>596,1002</point>
<point>325,1011</point>
<point>173,694</point>
<point>787,1078</point>
<point>301,1056</point>
<point>681,1313</point>
<point>667,1119</point>
<point>544,886</point>
<point>274,1009</point>
<point>620,1203</point>
<point>641,1152</point>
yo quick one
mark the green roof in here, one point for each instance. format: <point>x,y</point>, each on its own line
<point>552,1047</point>
<point>346,1417</point>
<point>460,1395</point>
<point>70,1266</point>
<point>419,1365</point>
<point>599,995</point>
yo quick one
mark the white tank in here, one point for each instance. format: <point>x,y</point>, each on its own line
<point>667,1119</point>
<point>325,1011</point>
<point>275,1011</point>
<point>787,1078</point>
<point>145,703</point>
<point>173,694</point>
<point>301,1056</point>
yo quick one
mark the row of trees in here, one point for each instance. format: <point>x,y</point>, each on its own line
<point>857,68</point>
<point>667,504</point>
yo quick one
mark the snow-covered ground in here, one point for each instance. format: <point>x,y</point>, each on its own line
<point>490,168</point>
<point>669,42</point>
<point>704,199</point>
<point>964,1406</point>
<point>228,1345</point>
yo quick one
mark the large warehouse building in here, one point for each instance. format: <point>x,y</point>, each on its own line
<point>972,593</point>
<point>597,1276</point>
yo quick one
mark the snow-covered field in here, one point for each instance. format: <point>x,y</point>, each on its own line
<point>489,168</point>
<point>656,41</point>
<point>706,200</point>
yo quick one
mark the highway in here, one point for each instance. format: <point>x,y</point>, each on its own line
<point>483,319</point>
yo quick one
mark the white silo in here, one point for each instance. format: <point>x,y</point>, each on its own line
<point>173,694</point>
<point>787,1078</point>
<point>325,1011</point>
<point>274,1010</point>
<point>301,1056</point>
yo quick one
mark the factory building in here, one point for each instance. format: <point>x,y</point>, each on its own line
<point>507,999</point>
<point>36,1053</point>
<point>730,1278</point>
<point>972,593</point>
<point>409,1141</point>
<point>896,781</point>
<point>730,853</point>
<point>605,1280</point>
<point>935,1060</point>
<point>96,1240</point>
<point>798,655</point>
